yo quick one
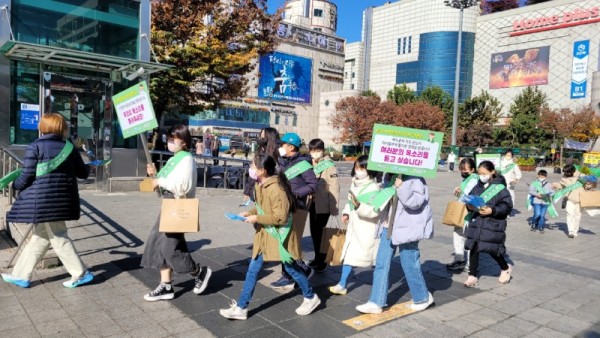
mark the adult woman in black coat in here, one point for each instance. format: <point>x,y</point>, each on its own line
<point>48,197</point>
<point>487,229</point>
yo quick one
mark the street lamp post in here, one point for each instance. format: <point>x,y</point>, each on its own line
<point>461,5</point>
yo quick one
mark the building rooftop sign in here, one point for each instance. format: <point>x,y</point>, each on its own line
<point>311,38</point>
<point>579,16</point>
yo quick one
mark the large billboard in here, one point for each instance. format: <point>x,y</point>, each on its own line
<point>524,67</point>
<point>581,53</point>
<point>285,77</point>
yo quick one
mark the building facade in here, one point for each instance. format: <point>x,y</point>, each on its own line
<point>354,66</point>
<point>552,45</point>
<point>414,42</point>
<point>60,57</point>
<point>285,87</point>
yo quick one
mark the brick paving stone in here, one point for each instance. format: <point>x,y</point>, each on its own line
<point>539,315</point>
<point>514,327</point>
<point>46,316</point>
<point>21,331</point>
<point>544,332</point>
<point>149,331</point>
<point>568,325</point>
<point>14,321</point>
<point>103,330</point>
<point>56,326</point>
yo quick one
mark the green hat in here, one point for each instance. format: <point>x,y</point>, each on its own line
<point>292,138</point>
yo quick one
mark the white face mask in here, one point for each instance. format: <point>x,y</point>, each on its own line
<point>485,178</point>
<point>174,147</point>
<point>316,155</point>
<point>541,179</point>
<point>360,174</point>
<point>282,152</point>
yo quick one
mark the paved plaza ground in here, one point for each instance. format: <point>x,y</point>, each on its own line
<point>555,291</point>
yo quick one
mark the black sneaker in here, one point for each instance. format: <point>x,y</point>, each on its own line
<point>533,229</point>
<point>313,264</point>
<point>162,292</point>
<point>201,279</point>
<point>321,268</point>
<point>282,283</point>
<point>456,266</point>
<point>541,231</point>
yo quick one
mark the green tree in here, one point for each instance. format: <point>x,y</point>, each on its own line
<point>212,45</point>
<point>401,94</point>
<point>369,93</point>
<point>526,111</point>
<point>482,109</point>
<point>436,96</point>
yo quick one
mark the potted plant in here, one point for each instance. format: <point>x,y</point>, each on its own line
<point>526,164</point>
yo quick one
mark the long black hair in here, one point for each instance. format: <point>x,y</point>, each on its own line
<point>268,163</point>
<point>362,162</point>
<point>269,145</point>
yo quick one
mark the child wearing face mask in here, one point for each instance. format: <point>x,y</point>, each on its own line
<point>541,191</point>
<point>168,252</point>
<point>274,238</point>
<point>360,247</point>
<point>325,199</point>
<point>487,225</point>
<point>470,178</point>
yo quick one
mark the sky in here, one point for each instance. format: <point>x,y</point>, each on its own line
<point>349,15</point>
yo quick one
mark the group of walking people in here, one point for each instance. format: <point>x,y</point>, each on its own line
<point>287,188</point>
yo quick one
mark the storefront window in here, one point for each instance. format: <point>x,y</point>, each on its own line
<point>25,103</point>
<point>108,27</point>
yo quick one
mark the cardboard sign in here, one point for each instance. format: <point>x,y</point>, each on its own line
<point>134,110</point>
<point>407,151</point>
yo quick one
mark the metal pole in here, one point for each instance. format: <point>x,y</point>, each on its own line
<point>457,78</point>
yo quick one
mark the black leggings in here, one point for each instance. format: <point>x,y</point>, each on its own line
<point>317,223</point>
<point>474,260</point>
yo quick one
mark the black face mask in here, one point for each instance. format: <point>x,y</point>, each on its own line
<point>465,175</point>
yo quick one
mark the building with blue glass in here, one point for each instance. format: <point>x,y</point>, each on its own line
<point>70,57</point>
<point>414,42</point>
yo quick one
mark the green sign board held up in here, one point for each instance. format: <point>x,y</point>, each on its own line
<point>134,110</point>
<point>407,151</point>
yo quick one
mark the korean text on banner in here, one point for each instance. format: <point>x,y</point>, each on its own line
<point>134,110</point>
<point>494,158</point>
<point>402,150</point>
<point>579,74</point>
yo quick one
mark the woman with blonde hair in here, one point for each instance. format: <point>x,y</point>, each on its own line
<point>48,197</point>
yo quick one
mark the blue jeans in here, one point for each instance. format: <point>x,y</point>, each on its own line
<point>539,216</point>
<point>346,270</point>
<point>252,275</point>
<point>410,257</point>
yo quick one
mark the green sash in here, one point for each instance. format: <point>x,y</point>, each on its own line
<point>297,169</point>
<point>466,182</point>
<point>279,234</point>
<point>172,163</point>
<point>362,198</point>
<point>41,168</point>
<point>487,195</point>
<point>322,166</point>
<point>540,190</point>
<point>561,193</point>
<point>507,169</point>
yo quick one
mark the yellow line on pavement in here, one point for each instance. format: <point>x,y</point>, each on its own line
<point>369,320</point>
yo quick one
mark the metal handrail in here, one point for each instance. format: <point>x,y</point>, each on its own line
<point>10,162</point>
<point>245,165</point>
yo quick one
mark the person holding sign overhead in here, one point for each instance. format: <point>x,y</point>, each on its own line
<point>299,171</point>
<point>405,221</point>
<point>168,252</point>
<point>487,226</point>
<point>48,197</point>
<point>325,201</point>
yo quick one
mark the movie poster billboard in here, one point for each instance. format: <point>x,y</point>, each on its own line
<point>285,77</point>
<point>518,68</point>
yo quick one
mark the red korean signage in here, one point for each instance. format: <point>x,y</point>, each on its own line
<point>579,16</point>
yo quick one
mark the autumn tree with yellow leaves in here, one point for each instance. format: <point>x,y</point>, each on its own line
<point>211,45</point>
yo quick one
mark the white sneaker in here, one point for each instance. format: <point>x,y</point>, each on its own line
<point>308,306</point>
<point>234,312</point>
<point>422,306</point>
<point>338,290</point>
<point>369,307</point>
